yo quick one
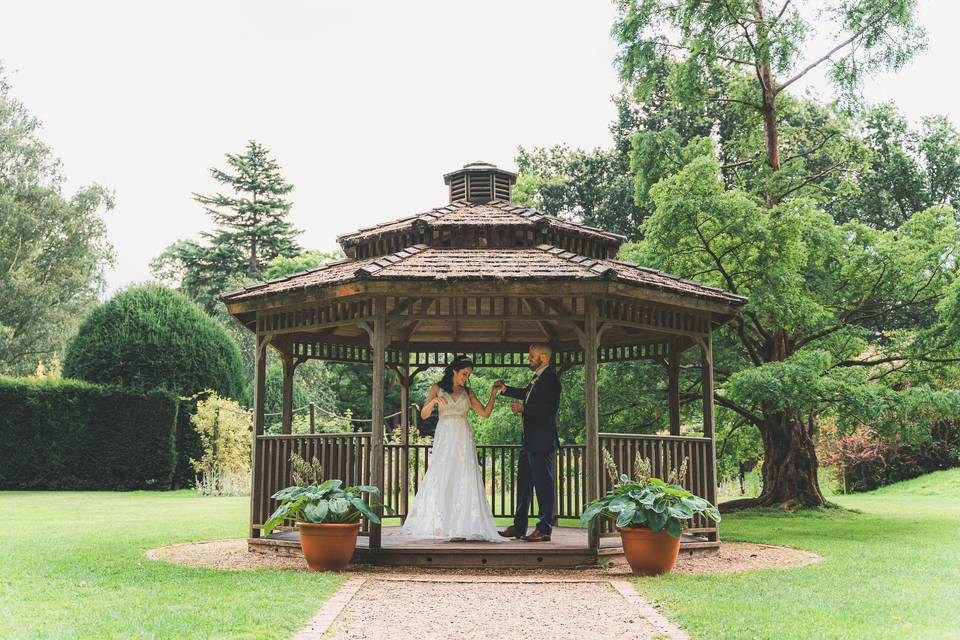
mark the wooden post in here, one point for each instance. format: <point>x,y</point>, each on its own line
<point>286,411</point>
<point>592,417</point>
<point>259,402</point>
<point>405,380</point>
<point>378,344</point>
<point>313,419</point>
<point>709,431</point>
<point>673,387</point>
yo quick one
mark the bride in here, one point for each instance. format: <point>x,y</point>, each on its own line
<point>451,502</point>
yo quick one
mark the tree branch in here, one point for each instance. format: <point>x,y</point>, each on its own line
<point>827,55</point>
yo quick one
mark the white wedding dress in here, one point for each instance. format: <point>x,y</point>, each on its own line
<point>451,502</point>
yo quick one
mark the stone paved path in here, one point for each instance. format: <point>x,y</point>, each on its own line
<point>415,608</point>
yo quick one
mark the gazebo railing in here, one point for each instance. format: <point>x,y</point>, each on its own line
<point>666,453</point>
<point>498,467</point>
<point>347,456</point>
<point>343,455</point>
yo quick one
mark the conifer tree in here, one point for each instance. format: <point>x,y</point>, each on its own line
<point>251,218</point>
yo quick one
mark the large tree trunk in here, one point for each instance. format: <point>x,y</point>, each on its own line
<point>789,467</point>
<point>789,455</point>
<point>789,464</point>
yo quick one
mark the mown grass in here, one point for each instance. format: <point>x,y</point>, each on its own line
<point>891,569</point>
<point>72,565</point>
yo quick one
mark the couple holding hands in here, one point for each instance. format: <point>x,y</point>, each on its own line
<point>452,503</point>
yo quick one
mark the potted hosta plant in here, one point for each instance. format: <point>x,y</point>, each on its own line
<point>649,514</point>
<point>328,516</point>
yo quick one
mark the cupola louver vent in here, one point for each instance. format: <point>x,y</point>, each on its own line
<point>480,182</point>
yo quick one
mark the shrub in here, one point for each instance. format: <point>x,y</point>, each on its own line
<point>224,429</point>
<point>75,435</point>
<point>150,337</point>
<point>865,460</point>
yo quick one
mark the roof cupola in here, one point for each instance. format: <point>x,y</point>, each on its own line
<point>479,182</point>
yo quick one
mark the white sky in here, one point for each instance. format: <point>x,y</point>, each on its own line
<point>365,105</point>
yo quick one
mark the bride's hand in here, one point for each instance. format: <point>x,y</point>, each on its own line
<point>440,402</point>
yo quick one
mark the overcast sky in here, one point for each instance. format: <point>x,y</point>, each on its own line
<point>365,105</point>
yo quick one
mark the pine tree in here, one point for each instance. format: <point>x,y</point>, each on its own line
<point>252,224</point>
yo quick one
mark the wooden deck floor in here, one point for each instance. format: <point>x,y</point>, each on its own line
<point>568,547</point>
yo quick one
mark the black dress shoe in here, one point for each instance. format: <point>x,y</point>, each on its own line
<point>537,536</point>
<point>511,532</point>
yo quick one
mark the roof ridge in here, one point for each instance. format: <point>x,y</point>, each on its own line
<point>531,212</point>
<point>677,278</point>
<point>597,265</point>
<point>382,262</point>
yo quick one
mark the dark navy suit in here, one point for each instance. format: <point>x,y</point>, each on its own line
<point>535,468</point>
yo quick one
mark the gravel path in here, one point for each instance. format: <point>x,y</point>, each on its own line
<point>413,610</point>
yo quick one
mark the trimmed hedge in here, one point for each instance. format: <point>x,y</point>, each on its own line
<point>76,435</point>
<point>151,337</point>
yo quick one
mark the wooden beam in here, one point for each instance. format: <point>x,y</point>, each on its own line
<point>378,343</point>
<point>286,411</point>
<point>709,430</point>
<point>592,421</point>
<point>673,388</point>
<point>259,402</point>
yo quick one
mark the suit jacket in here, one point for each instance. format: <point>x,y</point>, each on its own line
<point>540,411</point>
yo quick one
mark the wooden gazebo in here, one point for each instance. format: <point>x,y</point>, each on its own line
<point>484,277</point>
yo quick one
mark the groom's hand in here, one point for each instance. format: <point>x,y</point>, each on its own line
<point>516,407</point>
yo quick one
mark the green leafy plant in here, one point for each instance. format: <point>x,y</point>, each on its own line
<point>646,501</point>
<point>311,499</point>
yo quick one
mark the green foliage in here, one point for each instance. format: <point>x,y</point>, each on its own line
<point>283,266</point>
<point>75,435</point>
<point>273,399</point>
<point>53,248</point>
<point>150,337</point>
<point>147,337</point>
<point>905,170</point>
<point>324,503</point>
<point>224,429</point>
<point>647,502</point>
<point>303,473</point>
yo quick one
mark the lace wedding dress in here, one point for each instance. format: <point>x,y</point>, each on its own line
<point>451,502</point>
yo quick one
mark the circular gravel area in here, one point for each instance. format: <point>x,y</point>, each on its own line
<point>733,557</point>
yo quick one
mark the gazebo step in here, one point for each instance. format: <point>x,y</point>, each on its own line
<point>567,549</point>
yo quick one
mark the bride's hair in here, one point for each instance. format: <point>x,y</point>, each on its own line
<point>459,363</point>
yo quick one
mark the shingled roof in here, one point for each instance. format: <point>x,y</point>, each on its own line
<point>477,238</point>
<point>464,213</point>
<point>544,263</point>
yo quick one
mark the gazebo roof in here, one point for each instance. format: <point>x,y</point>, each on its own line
<point>478,238</point>
<point>543,263</point>
<point>493,213</point>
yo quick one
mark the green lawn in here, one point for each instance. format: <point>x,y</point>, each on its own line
<point>72,566</point>
<point>891,570</point>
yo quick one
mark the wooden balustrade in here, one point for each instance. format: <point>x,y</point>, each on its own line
<point>347,457</point>
<point>666,454</point>
<point>343,455</point>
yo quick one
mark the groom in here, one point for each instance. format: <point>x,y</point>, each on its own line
<point>539,406</point>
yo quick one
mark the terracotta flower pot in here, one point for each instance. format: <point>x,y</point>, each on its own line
<point>649,553</point>
<point>328,547</point>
